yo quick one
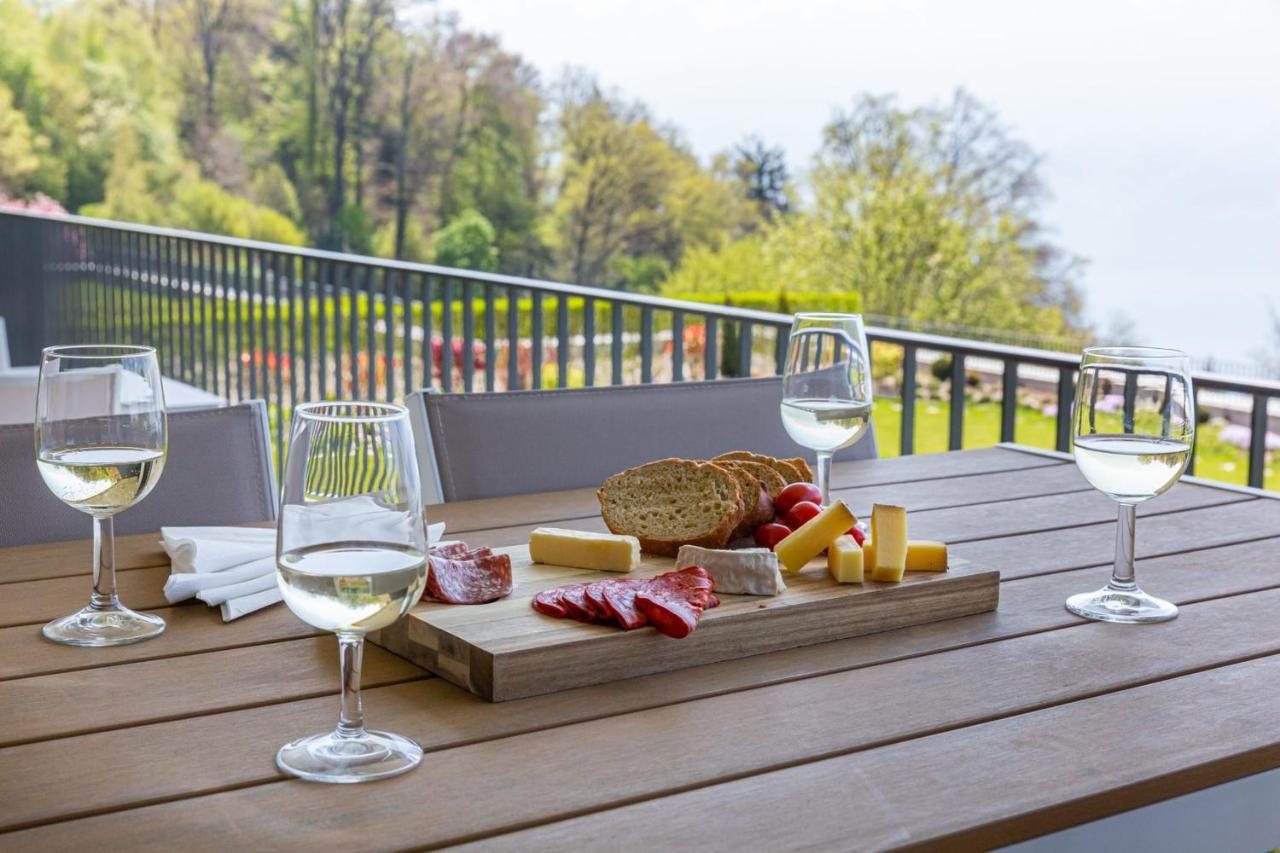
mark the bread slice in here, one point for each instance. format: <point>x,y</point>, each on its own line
<point>771,480</point>
<point>672,502</point>
<point>790,472</point>
<point>756,502</point>
<point>803,467</point>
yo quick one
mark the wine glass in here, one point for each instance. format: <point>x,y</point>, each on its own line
<point>826,387</point>
<point>101,438</point>
<point>351,557</point>
<point>1134,425</point>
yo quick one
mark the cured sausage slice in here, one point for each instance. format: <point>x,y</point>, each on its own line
<point>476,579</point>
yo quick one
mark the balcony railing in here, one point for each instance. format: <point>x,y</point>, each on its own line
<point>244,319</point>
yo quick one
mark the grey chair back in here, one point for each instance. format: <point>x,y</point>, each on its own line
<point>218,471</point>
<point>5,362</point>
<point>518,442</point>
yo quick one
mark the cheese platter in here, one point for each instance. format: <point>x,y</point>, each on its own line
<point>671,588</point>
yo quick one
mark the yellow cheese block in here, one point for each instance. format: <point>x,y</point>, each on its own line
<point>922,555</point>
<point>889,531</point>
<point>926,556</point>
<point>807,541</point>
<point>844,560</point>
<point>607,552</point>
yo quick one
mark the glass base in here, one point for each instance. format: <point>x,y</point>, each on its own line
<point>104,626</point>
<point>364,757</point>
<point>1131,606</point>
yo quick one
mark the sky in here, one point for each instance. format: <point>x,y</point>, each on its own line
<point>1159,122</point>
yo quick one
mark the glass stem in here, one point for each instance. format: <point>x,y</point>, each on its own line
<point>350,656</point>
<point>1122,575</point>
<point>824,476</point>
<point>104,565</point>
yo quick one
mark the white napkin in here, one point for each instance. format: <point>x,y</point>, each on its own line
<point>233,568</point>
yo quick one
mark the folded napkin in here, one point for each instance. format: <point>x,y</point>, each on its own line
<point>233,568</point>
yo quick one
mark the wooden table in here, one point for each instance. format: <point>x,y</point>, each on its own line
<point>971,732</point>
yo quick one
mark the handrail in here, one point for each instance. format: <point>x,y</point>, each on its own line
<point>287,322</point>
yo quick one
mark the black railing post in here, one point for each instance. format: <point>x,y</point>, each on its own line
<point>535,338</point>
<point>616,343</point>
<point>513,339</point>
<point>955,433</point>
<point>646,345</point>
<point>490,340</point>
<point>589,341</point>
<point>1066,397</point>
<point>1258,441</point>
<point>562,341</point>
<point>468,337</point>
<point>710,350</point>
<point>1009,401</point>
<point>907,439</point>
<point>677,346</point>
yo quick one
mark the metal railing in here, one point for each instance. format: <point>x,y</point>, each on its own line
<point>244,319</point>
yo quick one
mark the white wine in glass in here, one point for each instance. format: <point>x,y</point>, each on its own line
<point>101,439</point>
<point>351,557</point>
<point>1131,453</point>
<point>826,387</point>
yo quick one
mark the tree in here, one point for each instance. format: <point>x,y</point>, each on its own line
<point>930,213</point>
<point>626,188</point>
<point>762,172</point>
<point>18,147</point>
<point>467,243</point>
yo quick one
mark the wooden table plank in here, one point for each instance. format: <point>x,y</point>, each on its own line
<point>1144,745</point>
<point>607,762</point>
<point>55,784</point>
<point>66,559</point>
<point>190,629</point>
<point>37,601</point>
<point>46,706</point>
<point>1075,547</point>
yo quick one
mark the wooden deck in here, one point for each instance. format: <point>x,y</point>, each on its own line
<point>974,732</point>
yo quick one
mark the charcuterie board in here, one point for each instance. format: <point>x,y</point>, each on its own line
<point>506,650</point>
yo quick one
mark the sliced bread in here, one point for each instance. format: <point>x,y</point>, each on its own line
<point>800,465</point>
<point>672,502</point>
<point>788,470</point>
<point>756,502</point>
<point>771,480</point>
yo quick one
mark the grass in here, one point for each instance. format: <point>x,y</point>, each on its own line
<point>1215,459</point>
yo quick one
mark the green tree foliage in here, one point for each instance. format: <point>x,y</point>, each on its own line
<point>376,127</point>
<point>926,214</point>
<point>467,243</point>
<point>626,188</point>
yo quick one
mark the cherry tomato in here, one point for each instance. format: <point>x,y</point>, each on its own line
<point>800,513</point>
<point>769,535</point>
<point>794,494</point>
<point>858,535</point>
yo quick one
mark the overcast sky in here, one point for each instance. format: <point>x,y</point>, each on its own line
<point>1159,121</point>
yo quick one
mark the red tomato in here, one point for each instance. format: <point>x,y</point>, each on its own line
<point>858,535</point>
<point>800,513</point>
<point>769,535</point>
<point>794,494</point>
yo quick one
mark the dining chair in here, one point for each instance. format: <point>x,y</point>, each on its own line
<point>5,362</point>
<point>218,471</point>
<point>518,442</point>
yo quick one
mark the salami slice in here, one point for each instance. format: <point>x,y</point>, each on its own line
<point>620,596</point>
<point>547,602</point>
<point>480,580</point>
<point>593,594</point>
<point>573,599</point>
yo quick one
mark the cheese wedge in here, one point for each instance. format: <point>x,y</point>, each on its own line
<point>922,555</point>
<point>747,571</point>
<point>808,541</point>
<point>844,560</point>
<point>607,552</point>
<point>926,556</point>
<point>889,532</point>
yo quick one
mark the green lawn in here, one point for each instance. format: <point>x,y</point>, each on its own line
<point>1215,459</point>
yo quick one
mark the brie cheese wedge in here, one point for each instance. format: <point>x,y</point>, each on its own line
<point>750,571</point>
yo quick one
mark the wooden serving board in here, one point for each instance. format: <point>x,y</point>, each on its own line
<point>507,650</point>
